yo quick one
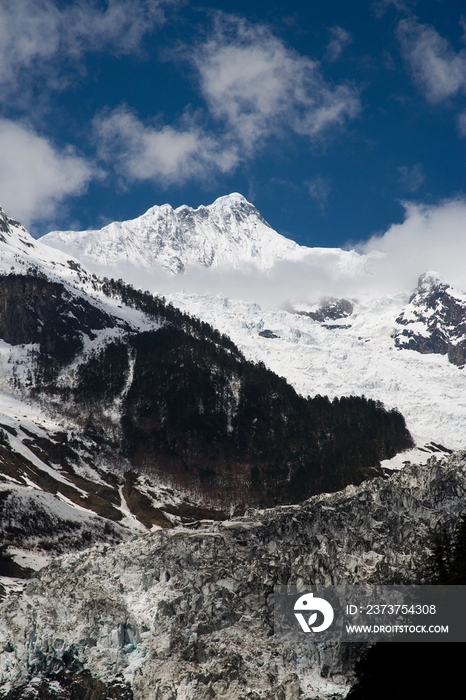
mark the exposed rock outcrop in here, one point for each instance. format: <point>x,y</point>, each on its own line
<point>434,321</point>
<point>331,310</point>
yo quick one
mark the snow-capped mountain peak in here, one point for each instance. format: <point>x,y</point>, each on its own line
<point>20,252</point>
<point>13,233</point>
<point>230,201</point>
<point>229,233</point>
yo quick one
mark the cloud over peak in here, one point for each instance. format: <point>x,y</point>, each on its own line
<point>258,86</point>
<point>430,238</point>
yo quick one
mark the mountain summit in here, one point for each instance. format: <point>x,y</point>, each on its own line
<point>230,233</point>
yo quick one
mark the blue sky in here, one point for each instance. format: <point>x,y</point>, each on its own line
<point>327,116</point>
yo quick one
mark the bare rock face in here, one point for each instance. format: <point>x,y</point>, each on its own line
<point>72,686</point>
<point>434,321</point>
<point>331,310</point>
<point>188,612</point>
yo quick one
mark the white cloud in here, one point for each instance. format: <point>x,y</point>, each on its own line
<point>257,86</point>
<point>340,39</point>
<point>439,71</point>
<point>35,177</point>
<point>430,238</point>
<point>40,40</point>
<point>40,37</point>
<point>461,121</point>
<point>381,6</point>
<point>319,188</point>
<point>411,178</point>
<point>166,154</point>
